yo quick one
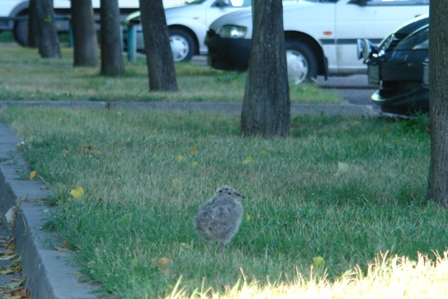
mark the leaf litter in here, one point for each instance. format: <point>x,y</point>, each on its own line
<point>12,265</point>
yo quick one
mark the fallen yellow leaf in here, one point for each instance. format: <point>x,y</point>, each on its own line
<point>11,244</point>
<point>248,160</point>
<point>179,158</point>
<point>5,271</point>
<point>318,261</point>
<point>247,217</point>
<point>8,257</point>
<point>193,150</point>
<point>175,183</point>
<point>21,293</point>
<point>61,248</point>
<point>78,192</point>
<point>33,174</point>
<point>184,245</point>
<point>163,262</point>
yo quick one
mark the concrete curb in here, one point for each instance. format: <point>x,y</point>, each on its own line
<point>296,109</point>
<point>49,275</point>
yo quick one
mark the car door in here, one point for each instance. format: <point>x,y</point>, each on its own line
<point>372,19</point>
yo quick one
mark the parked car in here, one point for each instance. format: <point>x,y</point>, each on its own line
<point>13,11</point>
<point>320,35</point>
<point>396,66</point>
<point>188,24</point>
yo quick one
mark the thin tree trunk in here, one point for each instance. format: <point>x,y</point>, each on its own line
<point>162,75</point>
<point>111,42</point>
<point>266,106</point>
<point>438,72</point>
<point>85,48</point>
<point>47,34</point>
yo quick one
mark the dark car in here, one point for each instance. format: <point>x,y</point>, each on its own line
<point>396,66</point>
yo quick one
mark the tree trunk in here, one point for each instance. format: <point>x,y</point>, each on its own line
<point>162,75</point>
<point>438,72</point>
<point>47,35</point>
<point>266,107</point>
<point>32,24</point>
<point>111,42</point>
<point>85,48</point>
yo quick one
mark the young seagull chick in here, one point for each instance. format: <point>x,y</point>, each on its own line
<point>219,219</point>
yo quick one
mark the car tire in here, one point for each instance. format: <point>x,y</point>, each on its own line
<point>20,33</point>
<point>182,45</point>
<point>301,62</point>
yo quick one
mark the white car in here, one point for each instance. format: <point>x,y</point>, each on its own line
<point>188,24</point>
<point>13,15</point>
<point>321,35</point>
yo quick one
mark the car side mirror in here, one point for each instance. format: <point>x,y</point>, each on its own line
<point>364,48</point>
<point>222,3</point>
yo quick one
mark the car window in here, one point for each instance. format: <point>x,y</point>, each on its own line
<point>396,2</point>
<point>239,3</point>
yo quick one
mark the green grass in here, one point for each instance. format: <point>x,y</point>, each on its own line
<point>344,189</point>
<point>25,76</point>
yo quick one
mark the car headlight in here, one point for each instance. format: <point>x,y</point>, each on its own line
<point>386,44</point>
<point>232,31</point>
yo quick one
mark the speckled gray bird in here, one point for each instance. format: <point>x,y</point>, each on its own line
<point>220,218</point>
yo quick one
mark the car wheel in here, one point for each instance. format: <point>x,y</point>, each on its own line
<point>21,33</point>
<point>301,61</point>
<point>182,45</point>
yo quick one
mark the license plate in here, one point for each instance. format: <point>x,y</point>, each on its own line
<point>373,72</point>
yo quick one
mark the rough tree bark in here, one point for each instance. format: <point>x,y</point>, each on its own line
<point>111,53</point>
<point>438,72</point>
<point>85,48</point>
<point>47,35</point>
<point>32,24</point>
<point>161,72</point>
<point>266,106</point>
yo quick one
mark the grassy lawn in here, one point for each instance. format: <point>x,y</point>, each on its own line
<point>25,76</point>
<point>323,207</point>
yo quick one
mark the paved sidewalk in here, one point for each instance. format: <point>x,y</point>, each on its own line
<point>296,109</point>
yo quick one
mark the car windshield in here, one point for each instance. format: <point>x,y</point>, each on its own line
<point>418,40</point>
